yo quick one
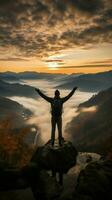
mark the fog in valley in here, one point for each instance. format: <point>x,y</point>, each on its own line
<point>41,109</point>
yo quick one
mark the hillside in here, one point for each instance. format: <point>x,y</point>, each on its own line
<point>13,120</point>
<point>91,130</point>
<point>16,89</point>
<point>13,111</point>
<point>97,99</point>
<point>8,106</point>
<point>89,82</point>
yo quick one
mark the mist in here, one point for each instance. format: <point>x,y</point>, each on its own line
<point>41,109</point>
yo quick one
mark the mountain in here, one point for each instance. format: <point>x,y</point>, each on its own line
<point>97,99</point>
<point>37,75</point>
<point>89,82</point>
<point>13,111</point>
<point>8,106</point>
<point>91,129</point>
<point>9,76</point>
<point>13,118</point>
<point>16,89</point>
<point>67,78</point>
<point>12,76</point>
<point>85,82</point>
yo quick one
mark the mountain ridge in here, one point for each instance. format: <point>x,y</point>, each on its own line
<point>89,82</point>
<point>92,130</point>
<point>16,89</point>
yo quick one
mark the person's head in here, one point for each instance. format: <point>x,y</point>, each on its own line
<point>57,93</point>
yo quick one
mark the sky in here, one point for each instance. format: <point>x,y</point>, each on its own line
<point>56,36</point>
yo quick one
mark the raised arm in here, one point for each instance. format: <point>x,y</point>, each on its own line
<point>49,99</point>
<point>64,99</point>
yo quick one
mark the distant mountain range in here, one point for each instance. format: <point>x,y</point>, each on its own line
<point>16,89</point>
<point>88,82</point>
<point>8,76</point>
<point>91,130</point>
<point>12,76</point>
<point>85,82</point>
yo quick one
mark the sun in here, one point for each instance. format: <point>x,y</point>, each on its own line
<point>53,65</point>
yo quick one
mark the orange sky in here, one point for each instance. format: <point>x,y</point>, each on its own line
<point>76,60</point>
<point>47,70</point>
<point>64,36</point>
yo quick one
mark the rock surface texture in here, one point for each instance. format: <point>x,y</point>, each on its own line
<point>95,182</point>
<point>56,158</point>
<point>41,173</point>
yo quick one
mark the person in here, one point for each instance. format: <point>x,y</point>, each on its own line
<point>56,112</point>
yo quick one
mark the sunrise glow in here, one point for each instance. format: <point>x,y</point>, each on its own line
<point>56,36</point>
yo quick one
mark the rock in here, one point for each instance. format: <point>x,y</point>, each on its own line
<point>12,179</point>
<point>56,158</point>
<point>89,159</point>
<point>42,184</point>
<point>95,182</point>
<point>37,176</point>
<point>47,189</point>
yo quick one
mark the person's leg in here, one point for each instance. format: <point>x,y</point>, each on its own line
<point>53,123</point>
<point>59,124</point>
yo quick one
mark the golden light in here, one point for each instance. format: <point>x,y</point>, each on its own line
<point>53,65</point>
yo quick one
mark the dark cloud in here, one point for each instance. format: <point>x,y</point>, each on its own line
<point>42,27</point>
<point>90,6</point>
<point>92,34</point>
<point>97,32</point>
<point>53,60</point>
<point>108,14</point>
<point>13,59</point>
<point>104,18</point>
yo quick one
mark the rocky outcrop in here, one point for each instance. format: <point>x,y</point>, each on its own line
<point>56,158</point>
<point>40,173</point>
<point>95,182</point>
<point>41,183</point>
<point>53,159</point>
<point>12,179</point>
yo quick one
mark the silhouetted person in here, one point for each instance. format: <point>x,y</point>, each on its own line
<point>56,112</point>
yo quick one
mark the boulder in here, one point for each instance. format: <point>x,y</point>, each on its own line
<point>37,174</point>
<point>46,188</point>
<point>56,158</point>
<point>95,182</point>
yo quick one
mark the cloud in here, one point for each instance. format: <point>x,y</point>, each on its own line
<point>13,59</point>
<point>90,6</point>
<point>41,28</point>
<point>107,61</point>
<point>53,60</point>
<point>87,65</point>
<point>89,109</point>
